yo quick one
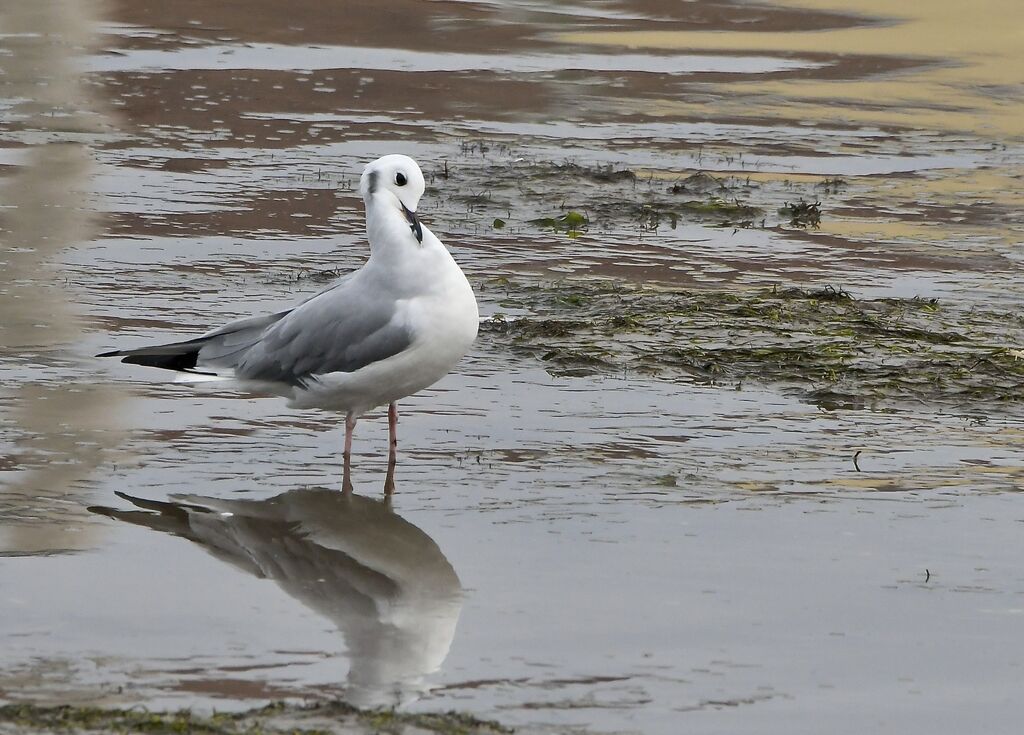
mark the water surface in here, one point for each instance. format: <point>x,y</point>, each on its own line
<point>620,552</point>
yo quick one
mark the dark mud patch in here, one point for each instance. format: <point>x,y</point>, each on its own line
<point>455,26</point>
<point>802,214</point>
<point>325,719</point>
<point>834,349</point>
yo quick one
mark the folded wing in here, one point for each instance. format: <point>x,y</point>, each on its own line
<point>340,329</point>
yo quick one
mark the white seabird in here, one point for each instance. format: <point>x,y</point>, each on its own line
<point>379,334</point>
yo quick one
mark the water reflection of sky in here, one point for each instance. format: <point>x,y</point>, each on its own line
<point>277,56</point>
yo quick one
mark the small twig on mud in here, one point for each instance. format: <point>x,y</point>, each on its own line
<point>855,465</point>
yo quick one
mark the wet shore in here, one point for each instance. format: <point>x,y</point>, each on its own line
<point>739,442</point>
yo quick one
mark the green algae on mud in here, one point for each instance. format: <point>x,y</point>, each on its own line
<point>836,350</point>
<point>571,222</point>
<point>524,191</point>
<point>321,719</point>
<point>614,195</point>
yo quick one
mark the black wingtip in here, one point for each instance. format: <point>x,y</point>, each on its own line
<point>112,353</point>
<point>181,361</point>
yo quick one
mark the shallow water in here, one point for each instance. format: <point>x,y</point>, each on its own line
<point>619,552</point>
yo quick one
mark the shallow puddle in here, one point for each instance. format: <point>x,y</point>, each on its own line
<point>621,546</point>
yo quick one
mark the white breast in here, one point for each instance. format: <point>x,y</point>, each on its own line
<point>443,319</point>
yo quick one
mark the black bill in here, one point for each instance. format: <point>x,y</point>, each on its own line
<point>414,223</point>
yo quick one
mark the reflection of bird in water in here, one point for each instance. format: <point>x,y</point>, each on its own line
<point>380,579</point>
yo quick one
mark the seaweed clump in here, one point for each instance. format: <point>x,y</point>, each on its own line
<point>802,214</point>
<point>279,718</point>
<point>571,223</point>
<point>823,344</point>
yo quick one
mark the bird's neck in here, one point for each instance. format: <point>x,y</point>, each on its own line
<point>387,228</point>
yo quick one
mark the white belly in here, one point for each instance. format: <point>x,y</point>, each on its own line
<point>444,328</point>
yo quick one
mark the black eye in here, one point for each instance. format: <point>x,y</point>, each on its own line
<point>400,179</point>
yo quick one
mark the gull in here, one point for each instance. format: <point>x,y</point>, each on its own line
<point>389,329</point>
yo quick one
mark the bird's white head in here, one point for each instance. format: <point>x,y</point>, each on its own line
<point>394,181</point>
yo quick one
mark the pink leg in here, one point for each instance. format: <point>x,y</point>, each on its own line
<point>350,425</point>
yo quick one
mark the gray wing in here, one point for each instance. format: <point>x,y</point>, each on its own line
<point>219,348</point>
<point>224,346</point>
<point>341,329</point>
